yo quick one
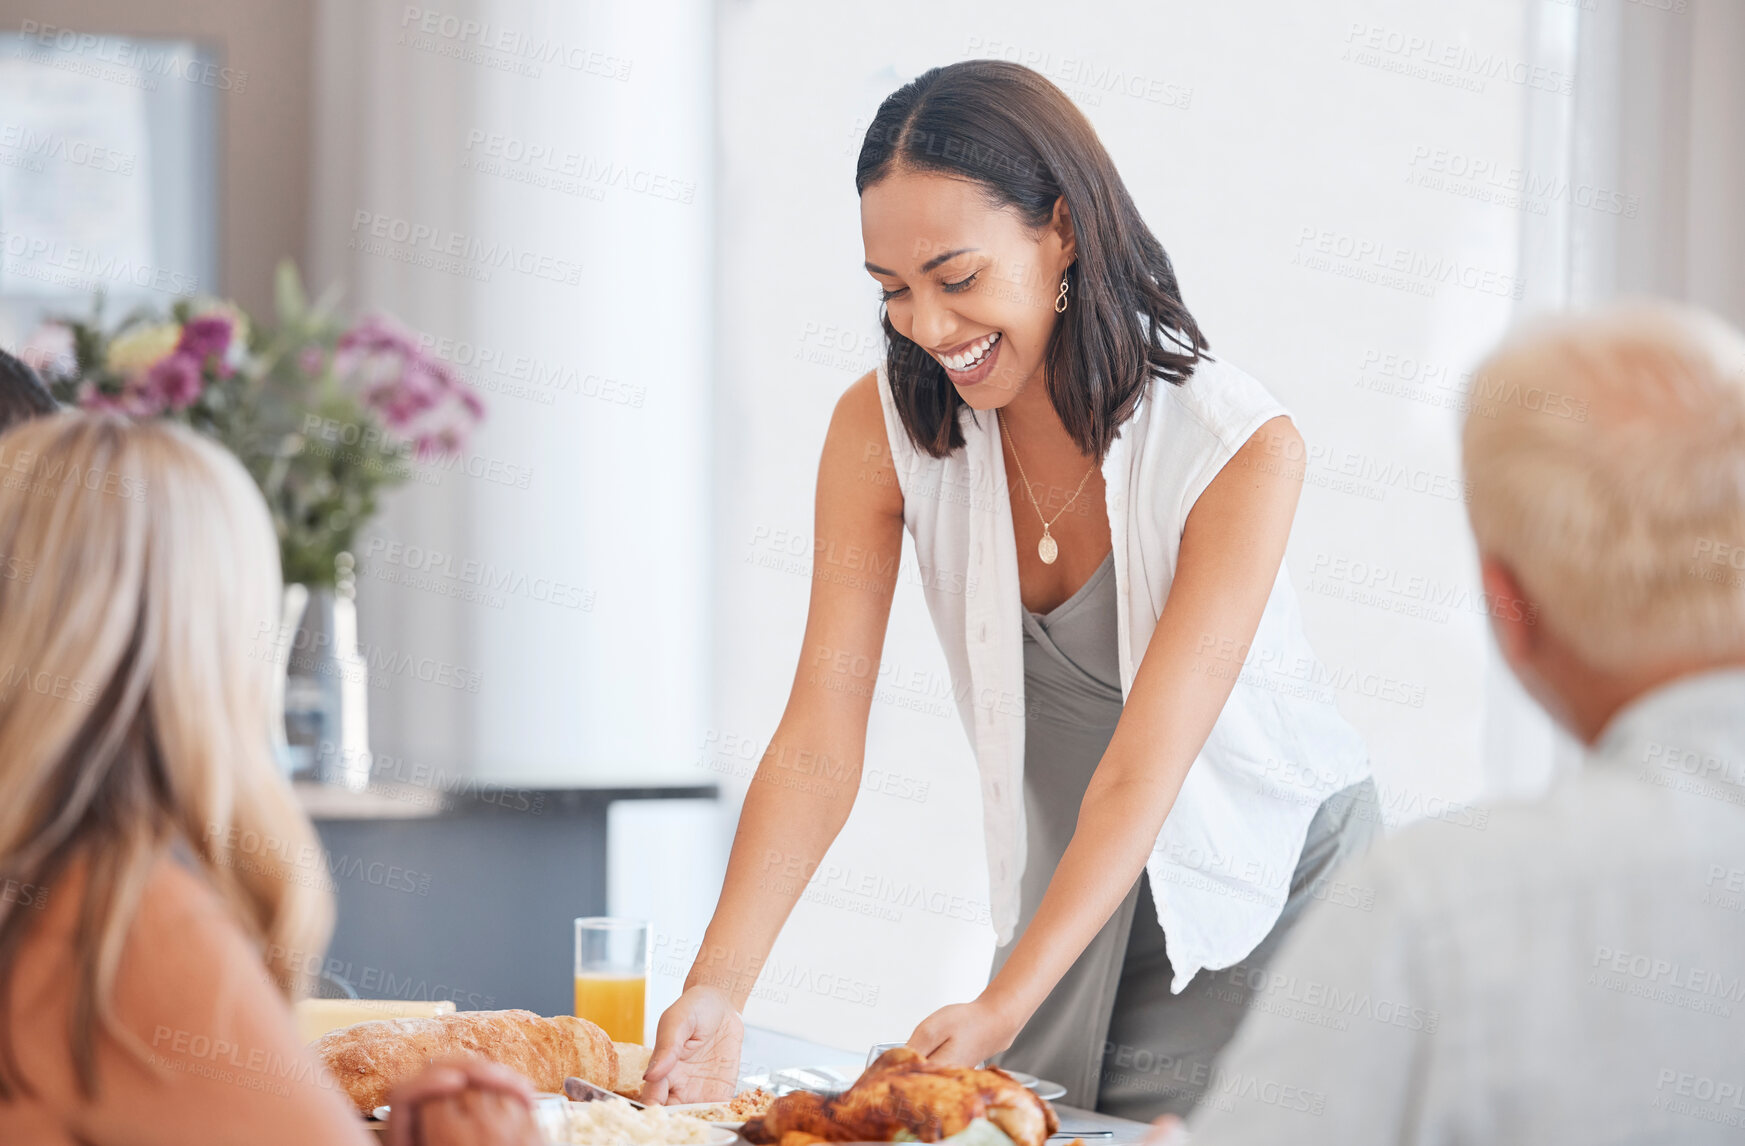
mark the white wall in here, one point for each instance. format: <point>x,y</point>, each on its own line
<point>1260,132</point>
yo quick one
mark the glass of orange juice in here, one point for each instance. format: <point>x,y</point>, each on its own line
<point>612,974</point>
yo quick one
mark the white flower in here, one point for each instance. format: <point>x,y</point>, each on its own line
<point>49,350</point>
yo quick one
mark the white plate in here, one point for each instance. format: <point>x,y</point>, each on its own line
<point>686,1107</point>
<point>1045,1090</point>
<point>540,1098</point>
<point>548,1113</point>
<point>720,1134</point>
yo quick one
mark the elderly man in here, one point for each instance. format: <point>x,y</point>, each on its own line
<point>1571,969</point>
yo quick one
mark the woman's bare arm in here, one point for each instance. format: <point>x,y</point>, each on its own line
<point>805,785</point>
<point>1231,550</point>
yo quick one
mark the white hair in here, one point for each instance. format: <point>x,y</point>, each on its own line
<point>1605,455</point>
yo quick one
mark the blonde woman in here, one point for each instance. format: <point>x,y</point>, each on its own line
<point>157,899</point>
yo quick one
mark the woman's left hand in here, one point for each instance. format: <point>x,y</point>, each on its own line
<point>964,1034</point>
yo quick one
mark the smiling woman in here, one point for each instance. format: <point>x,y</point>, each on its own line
<point>1063,238</point>
<point>1131,676</point>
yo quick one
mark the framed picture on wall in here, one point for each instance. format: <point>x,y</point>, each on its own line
<point>108,173</point>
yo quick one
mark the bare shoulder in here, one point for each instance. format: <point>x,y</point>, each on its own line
<point>1272,457</point>
<point>1275,434</point>
<point>177,918</point>
<point>857,462</point>
<point>180,902</point>
<point>214,1047</point>
<point>173,914</point>
<point>188,959</point>
<point>860,414</point>
<point>220,1039</point>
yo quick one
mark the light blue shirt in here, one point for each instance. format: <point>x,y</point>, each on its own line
<point>1566,970</point>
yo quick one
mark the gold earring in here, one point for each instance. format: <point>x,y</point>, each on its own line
<point>1060,299</point>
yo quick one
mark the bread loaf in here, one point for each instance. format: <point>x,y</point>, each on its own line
<point>632,1065</point>
<point>369,1059</point>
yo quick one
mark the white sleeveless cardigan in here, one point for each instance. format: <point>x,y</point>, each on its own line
<point>1222,866</point>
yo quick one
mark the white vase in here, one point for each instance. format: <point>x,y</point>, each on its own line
<point>326,692</point>
<point>291,605</point>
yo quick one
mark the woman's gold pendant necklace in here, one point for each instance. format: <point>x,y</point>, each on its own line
<point>1047,549</point>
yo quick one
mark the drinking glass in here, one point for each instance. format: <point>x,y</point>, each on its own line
<point>612,974</point>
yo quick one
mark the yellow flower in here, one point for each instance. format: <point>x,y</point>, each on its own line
<point>141,346</point>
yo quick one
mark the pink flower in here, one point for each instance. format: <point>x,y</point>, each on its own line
<point>447,440</point>
<point>416,391</point>
<point>92,399</point>
<point>309,361</point>
<point>206,336</point>
<point>378,335</point>
<point>416,394</point>
<point>135,400</point>
<point>173,382</point>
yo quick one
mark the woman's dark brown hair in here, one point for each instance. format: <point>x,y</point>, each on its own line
<point>1008,129</point>
<point>22,393</point>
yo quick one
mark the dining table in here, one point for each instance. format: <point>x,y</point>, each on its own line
<point>766,1052</point>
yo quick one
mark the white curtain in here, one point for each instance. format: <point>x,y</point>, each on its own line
<point>1647,152</point>
<point>1663,121</point>
<point>538,609</point>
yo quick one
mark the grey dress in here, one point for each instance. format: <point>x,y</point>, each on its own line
<point>1110,1031</point>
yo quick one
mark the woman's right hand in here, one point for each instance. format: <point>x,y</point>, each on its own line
<point>696,1050</point>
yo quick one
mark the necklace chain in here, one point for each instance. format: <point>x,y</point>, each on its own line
<point>1047,548</point>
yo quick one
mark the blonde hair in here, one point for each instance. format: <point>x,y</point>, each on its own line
<point>136,564</point>
<point>1605,455</point>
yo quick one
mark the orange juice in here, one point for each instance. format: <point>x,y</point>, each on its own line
<point>613,1002</point>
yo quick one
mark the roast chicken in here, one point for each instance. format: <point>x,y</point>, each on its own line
<point>902,1091</point>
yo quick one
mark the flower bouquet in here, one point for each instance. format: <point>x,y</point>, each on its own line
<point>324,416</point>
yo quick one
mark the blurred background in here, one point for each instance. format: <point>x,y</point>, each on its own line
<point>631,227</point>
